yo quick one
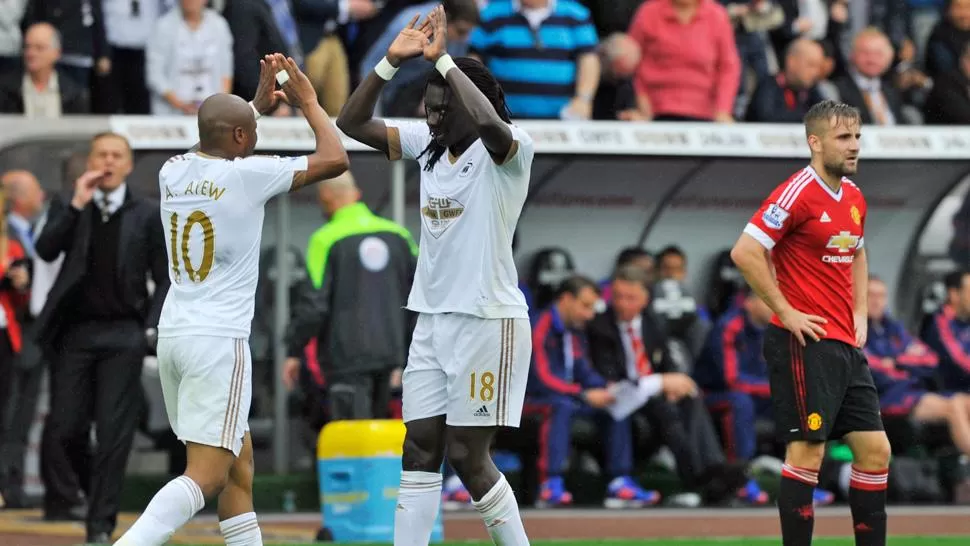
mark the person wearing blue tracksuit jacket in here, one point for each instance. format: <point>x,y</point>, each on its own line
<point>888,338</point>
<point>563,385</point>
<point>733,374</point>
<point>901,365</point>
<point>948,334</point>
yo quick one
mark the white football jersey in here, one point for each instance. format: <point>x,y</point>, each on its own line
<point>469,210</point>
<point>212,214</point>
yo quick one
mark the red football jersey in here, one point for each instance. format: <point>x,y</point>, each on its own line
<point>813,234</point>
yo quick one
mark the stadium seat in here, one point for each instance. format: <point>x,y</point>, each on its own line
<point>724,282</point>
<point>677,308</point>
<point>547,269</point>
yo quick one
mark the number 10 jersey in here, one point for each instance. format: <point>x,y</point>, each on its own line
<point>212,214</point>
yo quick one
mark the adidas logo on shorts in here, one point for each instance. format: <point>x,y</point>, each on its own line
<point>482,412</point>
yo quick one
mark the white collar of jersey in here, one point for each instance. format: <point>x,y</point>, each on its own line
<point>834,195</point>
<point>115,199</point>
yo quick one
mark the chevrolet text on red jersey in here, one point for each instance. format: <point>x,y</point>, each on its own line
<point>813,234</point>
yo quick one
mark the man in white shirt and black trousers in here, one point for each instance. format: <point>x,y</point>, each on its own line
<point>100,323</point>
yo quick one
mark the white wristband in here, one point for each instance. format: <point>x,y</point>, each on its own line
<point>385,69</point>
<point>444,64</point>
<point>255,111</point>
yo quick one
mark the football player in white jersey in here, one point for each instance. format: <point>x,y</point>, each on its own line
<point>212,207</point>
<point>469,359</point>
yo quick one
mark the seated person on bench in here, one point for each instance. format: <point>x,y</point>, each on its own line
<point>734,376</point>
<point>900,364</point>
<point>563,385</point>
<point>948,333</point>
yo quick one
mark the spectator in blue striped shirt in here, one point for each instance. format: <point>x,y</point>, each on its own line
<point>543,54</point>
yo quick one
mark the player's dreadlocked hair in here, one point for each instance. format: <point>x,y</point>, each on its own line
<point>485,82</point>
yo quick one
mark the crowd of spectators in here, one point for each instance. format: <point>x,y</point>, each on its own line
<point>899,61</point>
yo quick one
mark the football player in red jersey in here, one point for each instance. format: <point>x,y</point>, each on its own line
<point>803,253</point>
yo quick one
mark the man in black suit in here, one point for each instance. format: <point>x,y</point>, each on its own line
<point>100,321</point>
<point>864,84</point>
<point>627,344</point>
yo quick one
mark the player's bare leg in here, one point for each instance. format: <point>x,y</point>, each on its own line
<point>469,453</point>
<point>799,476</point>
<point>237,517</point>
<point>419,495</point>
<point>954,411</point>
<point>206,475</point>
<point>867,487</point>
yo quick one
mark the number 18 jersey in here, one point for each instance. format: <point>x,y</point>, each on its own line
<point>212,214</point>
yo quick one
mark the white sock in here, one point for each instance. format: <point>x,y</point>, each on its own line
<point>171,508</point>
<point>500,511</point>
<point>418,500</point>
<point>241,530</point>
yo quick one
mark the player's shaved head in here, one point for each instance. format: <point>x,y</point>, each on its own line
<point>225,122</point>
<point>341,184</point>
<point>828,114</point>
<point>337,193</point>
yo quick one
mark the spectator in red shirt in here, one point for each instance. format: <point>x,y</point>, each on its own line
<point>690,69</point>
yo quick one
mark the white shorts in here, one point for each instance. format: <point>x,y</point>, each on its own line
<point>207,386</point>
<point>472,370</point>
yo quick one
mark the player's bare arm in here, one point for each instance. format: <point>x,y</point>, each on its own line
<point>860,297</point>
<point>754,262</point>
<point>357,119</point>
<point>330,158</point>
<point>492,129</point>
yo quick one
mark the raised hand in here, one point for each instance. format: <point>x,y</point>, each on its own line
<point>298,89</point>
<point>410,42</point>
<point>438,46</point>
<point>267,97</point>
